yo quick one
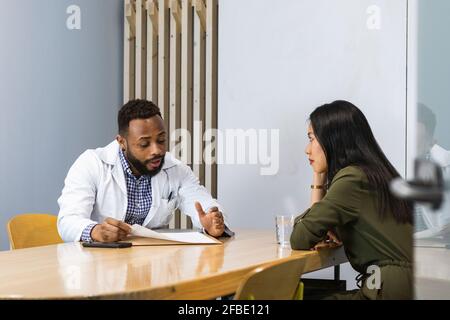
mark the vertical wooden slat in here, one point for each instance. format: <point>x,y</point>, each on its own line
<point>163,61</point>
<point>211,87</point>
<point>175,81</point>
<point>186,84</point>
<point>175,70</point>
<point>200,8</point>
<point>186,75</point>
<point>129,50</point>
<point>141,49</point>
<point>199,90</point>
<point>152,51</point>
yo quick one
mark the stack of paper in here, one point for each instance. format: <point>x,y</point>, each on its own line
<point>141,236</point>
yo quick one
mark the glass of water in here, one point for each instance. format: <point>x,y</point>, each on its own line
<point>284,225</point>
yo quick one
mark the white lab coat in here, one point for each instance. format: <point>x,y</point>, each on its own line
<point>95,189</point>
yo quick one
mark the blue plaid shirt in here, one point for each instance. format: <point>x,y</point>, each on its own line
<point>139,193</point>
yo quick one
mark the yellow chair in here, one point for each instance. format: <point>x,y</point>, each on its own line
<point>33,230</point>
<point>274,281</point>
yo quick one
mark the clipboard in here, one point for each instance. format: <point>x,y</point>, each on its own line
<point>143,241</point>
<point>141,236</point>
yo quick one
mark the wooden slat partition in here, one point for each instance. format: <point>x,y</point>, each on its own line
<point>170,58</point>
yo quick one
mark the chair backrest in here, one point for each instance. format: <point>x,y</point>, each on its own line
<point>33,230</point>
<point>275,281</point>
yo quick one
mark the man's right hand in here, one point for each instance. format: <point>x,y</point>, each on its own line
<point>111,230</point>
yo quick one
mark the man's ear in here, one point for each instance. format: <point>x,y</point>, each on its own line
<point>122,142</point>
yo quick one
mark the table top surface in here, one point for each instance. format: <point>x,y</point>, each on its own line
<point>70,271</point>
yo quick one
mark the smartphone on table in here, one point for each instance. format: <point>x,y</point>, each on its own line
<point>115,245</point>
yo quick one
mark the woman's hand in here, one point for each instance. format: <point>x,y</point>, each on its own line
<point>332,241</point>
<point>334,238</point>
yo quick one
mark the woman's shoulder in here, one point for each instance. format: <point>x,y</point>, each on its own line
<point>348,187</point>
<point>350,174</point>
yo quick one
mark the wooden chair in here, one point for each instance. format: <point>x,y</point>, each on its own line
<point>275,281</point>
<point>33,230</point>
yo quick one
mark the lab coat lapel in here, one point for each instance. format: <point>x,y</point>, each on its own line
<point>119,176</point>
<point>110,155</point>
<point>157,182</point>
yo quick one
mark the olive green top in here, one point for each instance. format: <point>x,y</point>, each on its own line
<point>349,208</point>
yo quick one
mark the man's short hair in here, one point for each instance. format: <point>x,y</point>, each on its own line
<point>136,109</point>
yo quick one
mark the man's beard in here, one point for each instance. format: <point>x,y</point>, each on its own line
<point>141,167</point>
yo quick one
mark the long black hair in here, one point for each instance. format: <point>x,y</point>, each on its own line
<point>347,140</point>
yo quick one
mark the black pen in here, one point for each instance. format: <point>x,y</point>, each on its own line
<point>170,196</point>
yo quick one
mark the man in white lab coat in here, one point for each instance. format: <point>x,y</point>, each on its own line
<point>133,180</point>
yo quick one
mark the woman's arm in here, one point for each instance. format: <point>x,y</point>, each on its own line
<point>319,179</point>
<point>340,205</point>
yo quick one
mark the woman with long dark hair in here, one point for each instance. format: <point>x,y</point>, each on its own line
<point>351,204</point>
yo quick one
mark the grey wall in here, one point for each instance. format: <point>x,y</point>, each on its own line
<point>59,94</point>
<point>277,62</point>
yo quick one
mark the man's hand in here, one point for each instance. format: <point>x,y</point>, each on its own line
<point>111,230</point>
<point>212,221</point>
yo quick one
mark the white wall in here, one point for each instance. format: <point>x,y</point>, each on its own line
<point>60,91</point>
<point>278,60</point>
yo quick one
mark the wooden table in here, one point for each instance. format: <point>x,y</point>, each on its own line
<point>69,271</point>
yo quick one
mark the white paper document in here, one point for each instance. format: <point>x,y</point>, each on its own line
<point>185,237</point>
